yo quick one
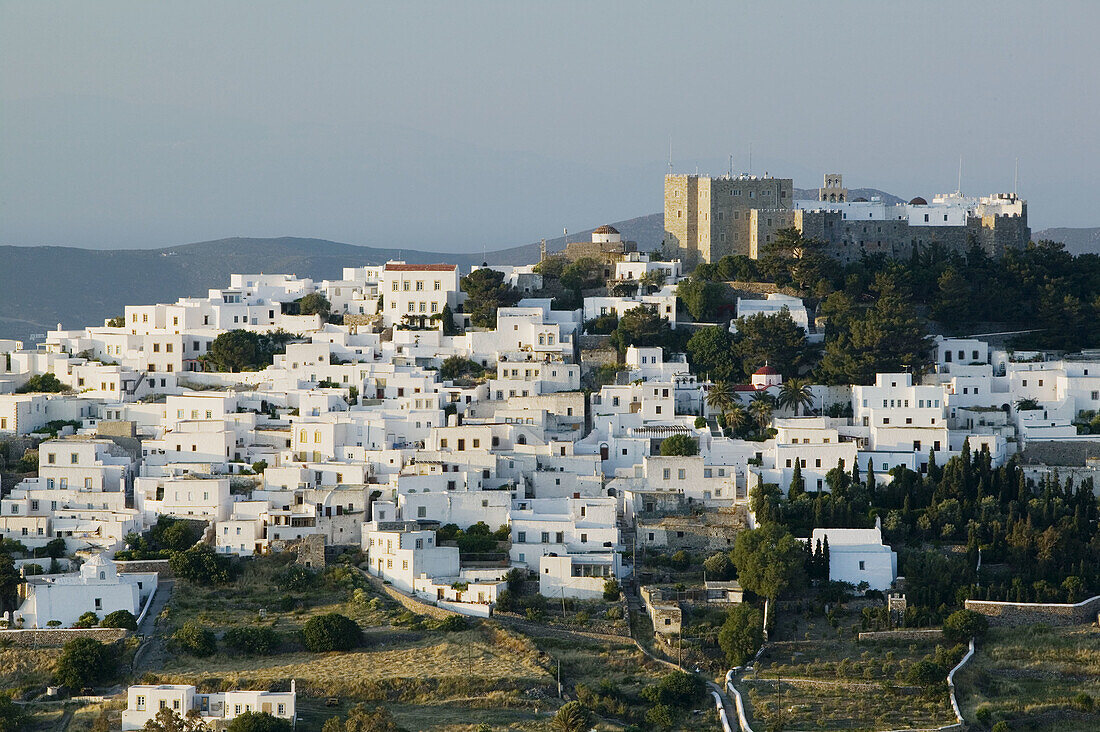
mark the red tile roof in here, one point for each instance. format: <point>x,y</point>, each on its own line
<point>421,267</point>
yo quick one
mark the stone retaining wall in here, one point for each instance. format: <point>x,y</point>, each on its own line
<point>1060,452</point>
<point>1030,613</point>
<point>134,566</point>
<point>410,603</point>
<point>913,634</point>
<point>53,637</point>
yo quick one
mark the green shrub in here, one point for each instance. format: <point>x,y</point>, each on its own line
<point>87,620</point>
<point>119,619</point>
<point>451,624</point>
<point>331,632</point>
<point>679,445</point>
<point>962,625</point>
<point>200,564</point>
<point>85,662</point>
<point>258,722</point>
<point>294,578</point>
<point>611,589</point>
<point>252,641</point>
<point>194,639</point>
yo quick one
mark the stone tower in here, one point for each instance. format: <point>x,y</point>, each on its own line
<point>833,190</point>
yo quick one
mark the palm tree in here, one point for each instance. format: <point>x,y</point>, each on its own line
<point>736,417</point>
<point>796,394</point>
<point>571,717</point>
<point>720,397</point>
<point>761,409</point>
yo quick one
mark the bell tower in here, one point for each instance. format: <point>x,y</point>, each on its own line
<point>833,190</point>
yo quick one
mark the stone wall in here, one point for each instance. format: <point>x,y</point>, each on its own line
<point>912,634</point>
<point>1060,452</point>
<point>53,637</point>
<point>409,603</point>
<point>134,566</point>
<point>1028,613</point>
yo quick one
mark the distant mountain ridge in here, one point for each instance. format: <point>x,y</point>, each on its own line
<point>1076,241</point>
<point>810,194</point>
<point>43,286</point>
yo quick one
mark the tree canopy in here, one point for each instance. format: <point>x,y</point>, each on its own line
<point>702,298</point>
<point>46,382</point>
<point>741,634</point>
<point>85,662</point>
<point>331,632</point>
<point>244,350</point>
<point>679,445</point>
<point>486,291</point>
<point>769,560</point>
<point>315,303</point>
<point>643,326</point>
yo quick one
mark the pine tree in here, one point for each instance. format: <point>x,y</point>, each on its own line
<point>797,485</point>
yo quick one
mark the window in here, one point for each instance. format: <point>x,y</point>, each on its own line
<point>50,458</point>
<point>667,473</point>
<point>98,603</point>
<point>861,566</point>
<point>141,703</point>
<point>521,537</point>
<point>73,458</point>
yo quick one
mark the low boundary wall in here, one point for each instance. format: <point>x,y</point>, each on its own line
<point>901,635</point>
<point>1031,613</point>
<point>53,637</point>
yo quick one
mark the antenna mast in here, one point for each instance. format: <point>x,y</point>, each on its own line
<point>959,190</point>
<point>1016,175</point>
<point>670,154</point>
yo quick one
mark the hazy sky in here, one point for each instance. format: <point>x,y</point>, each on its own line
<point>459,125</point>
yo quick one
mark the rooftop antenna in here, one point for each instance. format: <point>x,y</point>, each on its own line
<point>959,190</point>
<point>1016,175</point>
<point>730,171</point>
<point>750,158</point>
<point>670,154</point>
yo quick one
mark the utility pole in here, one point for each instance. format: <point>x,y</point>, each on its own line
<point>559,678</point>
<point>563,601</point>
<point>680,647</point>
<point>779,702</point>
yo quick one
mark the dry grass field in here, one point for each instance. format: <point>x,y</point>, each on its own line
<point>24,667</point>
<point>1035,678</point>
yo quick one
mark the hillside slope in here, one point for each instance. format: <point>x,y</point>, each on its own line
<point>1077,241</point>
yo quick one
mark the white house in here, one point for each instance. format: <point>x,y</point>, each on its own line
<point>144,701</point>
<point>97,587</point>
<point>420,290</point>
<point>400,552</point>
<point>858,555</point>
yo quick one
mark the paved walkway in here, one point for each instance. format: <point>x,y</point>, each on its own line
<point>152,651</point>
